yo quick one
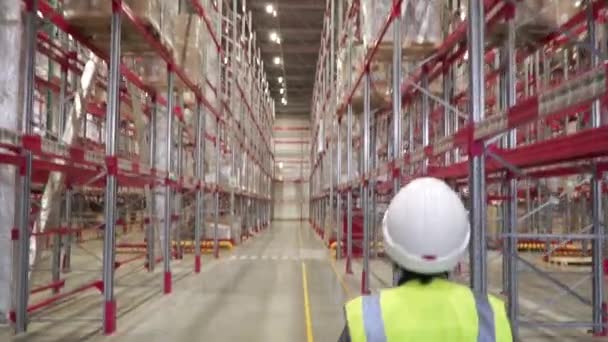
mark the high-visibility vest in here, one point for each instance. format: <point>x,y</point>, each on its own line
<point>440,311</point>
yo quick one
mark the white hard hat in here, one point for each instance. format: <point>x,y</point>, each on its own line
<point>426,227</point>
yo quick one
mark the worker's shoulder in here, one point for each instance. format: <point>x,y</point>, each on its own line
<point>355,302</point>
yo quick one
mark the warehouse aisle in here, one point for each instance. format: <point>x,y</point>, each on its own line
<point>256,293</point>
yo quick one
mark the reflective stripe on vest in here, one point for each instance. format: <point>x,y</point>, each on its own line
<point>372,319</point>
<point>374,324</point>
<point>485,314</point>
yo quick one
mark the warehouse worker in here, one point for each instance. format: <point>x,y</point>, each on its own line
<point>426,233</point>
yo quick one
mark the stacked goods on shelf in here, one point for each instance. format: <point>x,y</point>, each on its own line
<point>356,129</point>
<point>92,18</point>
<point>228,227</point>
<point>535,19</point>
<point>421,25</point>
<point>422,33</point>
<point>189,46</point>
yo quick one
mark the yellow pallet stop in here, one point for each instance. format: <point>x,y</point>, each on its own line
<point>205,245</point>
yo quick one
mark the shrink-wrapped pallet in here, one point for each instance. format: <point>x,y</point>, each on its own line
<point>373,15</point>
<point>535,19</point>
<point>421,27</point>
<point>422,31</point>
<point>542,16</point>
<point>92,18</point>
<point>188,46</point>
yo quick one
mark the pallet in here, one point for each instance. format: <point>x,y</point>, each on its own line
<point>570,260</point>
<point>419,51</point>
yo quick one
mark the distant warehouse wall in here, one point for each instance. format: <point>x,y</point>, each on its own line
<point>292,167</point>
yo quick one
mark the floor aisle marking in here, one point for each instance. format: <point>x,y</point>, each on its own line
<point>309,335</point>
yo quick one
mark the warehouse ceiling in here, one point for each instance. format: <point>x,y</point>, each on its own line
<point>298,24</point>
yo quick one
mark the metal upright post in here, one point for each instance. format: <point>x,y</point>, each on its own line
<point>330,112</point>
<point>340,230</point>
<point>177,229</point>
<point>365,186</point>
<point>25,172</point>
<point>426,118</point>
<point>478,252</point>
<point>112,126</point>
<point>216,247</point>
<point>397,121</point>
<point>66,264</point>
<point>152,215</point>
<point>63,114</point>
<point>599,327</point>
<point>167,280</point>
<point>200,176</point>
<point>510,254</point>
<point>447,98</point>
<point>349,162</point>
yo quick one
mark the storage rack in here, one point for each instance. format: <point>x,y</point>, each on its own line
<point>501,139</point>
<point>237,101</point>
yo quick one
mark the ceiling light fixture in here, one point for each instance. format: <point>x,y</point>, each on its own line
<point>278,40</point>
<point>274,36</point>
<point>270,9</point>
<point>284,101</point>
<point>281,91</point>
<point>280,79</point>
<point>276,60</point>
<point>274,13</point>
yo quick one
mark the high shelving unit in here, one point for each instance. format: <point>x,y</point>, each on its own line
<point>508,108</point>
<point>173,156</point>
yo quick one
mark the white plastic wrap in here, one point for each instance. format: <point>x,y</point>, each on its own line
<point>355,152</point>
<point>545,13</point>
<point>10,105</point>
<point>188,45</point>
<point>422,29</point>
<point>373,16</point>
<point>160,164</point>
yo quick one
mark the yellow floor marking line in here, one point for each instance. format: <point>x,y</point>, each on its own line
<point>309,335</point>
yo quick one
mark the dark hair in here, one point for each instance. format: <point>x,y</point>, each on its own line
<point>404,276</point>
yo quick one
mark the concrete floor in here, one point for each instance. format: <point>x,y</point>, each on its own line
<point>253,293</point>
<point>256,293</point>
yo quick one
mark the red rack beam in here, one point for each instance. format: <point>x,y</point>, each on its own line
<point>52,286</point>
<point>97,284</point>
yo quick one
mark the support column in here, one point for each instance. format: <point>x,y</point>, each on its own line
<point>426,118</point>
<point>25,172</point>
<point>66,264</point>
<point>178,210</point>
<point>200,176</point>
<point>349,164</point>
<point>340,230</point>
<point>597,218</point>
<point>167,280</point>
<point>216,247</point>
<point>510,220</point>
<point>112,127</point>
<point>365,186</point>
<point>477,192</point>
<point>152,215</point>
<point>397,147</point>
